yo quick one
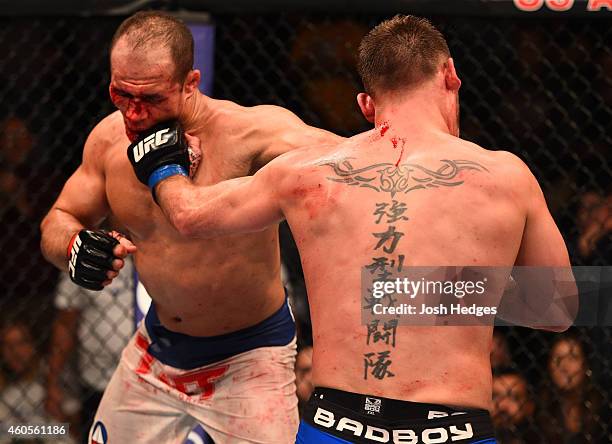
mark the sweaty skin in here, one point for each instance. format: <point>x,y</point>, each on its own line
<point>200,287</point>
<point>493,215</point>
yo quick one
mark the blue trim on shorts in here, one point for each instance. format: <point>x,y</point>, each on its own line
<point>188,352</point>
<point>307,434</point>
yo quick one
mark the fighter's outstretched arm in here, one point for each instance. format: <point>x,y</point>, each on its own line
<point>543,260</point>
<point>542,243</point>
<point>241,205</point>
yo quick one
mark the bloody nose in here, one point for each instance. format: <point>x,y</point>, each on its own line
<point>135,111</point>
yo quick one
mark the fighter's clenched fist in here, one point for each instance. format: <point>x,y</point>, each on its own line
<point>95,257</point>
<point>160,152</point>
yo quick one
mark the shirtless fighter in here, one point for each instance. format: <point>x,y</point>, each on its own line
<point>410,191</point>
<point>217,345</point>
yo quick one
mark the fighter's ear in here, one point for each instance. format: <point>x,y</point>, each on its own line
<point>192,81</point>
<point>450,76</point>
<point>366,104</point>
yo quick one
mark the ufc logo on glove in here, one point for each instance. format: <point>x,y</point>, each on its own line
<point>153,141</point>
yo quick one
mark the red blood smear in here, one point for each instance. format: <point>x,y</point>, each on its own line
<point>394,142</point>
<point>401,154</point>
<point>383,129</point>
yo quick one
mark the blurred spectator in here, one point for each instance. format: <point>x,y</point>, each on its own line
<point>97,326</point>
<point>570,403</point>
<point>513,408</point>
<point>595,227</point>
<point>21,398</point>
<point>500,351</point>
<point>16,142</point>
<point>303,376</point>
<point>24,197</point>
<point>27,184</point>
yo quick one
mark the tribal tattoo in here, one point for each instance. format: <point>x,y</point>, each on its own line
<point>395,180</point>
<point>389,178</point>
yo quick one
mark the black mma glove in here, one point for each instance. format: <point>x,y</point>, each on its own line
<point>90,257</point>
<point>160,152</point>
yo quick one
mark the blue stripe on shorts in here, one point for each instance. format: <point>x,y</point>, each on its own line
<point>307,434</point>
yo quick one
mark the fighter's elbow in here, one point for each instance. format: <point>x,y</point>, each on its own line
<point>43,249</point>
<point>43,225</point>
<point>566,314</point>
<point>43,238</point>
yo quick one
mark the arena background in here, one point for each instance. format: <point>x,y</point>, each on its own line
<point>536,83</point>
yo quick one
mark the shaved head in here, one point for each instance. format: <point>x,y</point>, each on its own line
<point>149,31</point>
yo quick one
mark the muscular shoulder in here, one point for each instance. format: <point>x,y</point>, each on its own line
<point>300,158</point>
<point>502,164</point>
<point>264,132</point>
<point>298,169</point>
<point>299,161</point>
<point>513,176</point>
<point>108,132</point>
<point>260,118</point>
<point>511,167</point>
<point>276,114</point>
<point>507,173</point>
<point>273,112</point>
<point>309,159</point>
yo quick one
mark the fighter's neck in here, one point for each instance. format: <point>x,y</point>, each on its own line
<point>196,113</point>
<point>414,116</point>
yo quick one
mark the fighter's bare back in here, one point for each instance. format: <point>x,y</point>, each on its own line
<point>363,200</point>
<point>373,185</point>
<point>427,233</point>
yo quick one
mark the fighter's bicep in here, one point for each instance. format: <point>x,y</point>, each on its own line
<point>84,196</point>
<point>542,243</point>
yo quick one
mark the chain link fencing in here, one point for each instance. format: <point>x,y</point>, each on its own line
<point>540,88</point>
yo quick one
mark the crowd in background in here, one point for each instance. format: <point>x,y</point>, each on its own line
<point>564,404</point>
<point>59,344</point>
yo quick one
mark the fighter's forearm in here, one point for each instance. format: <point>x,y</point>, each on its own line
<point>57,228</point>
<point>177,198</point>
<point>206,211</point>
